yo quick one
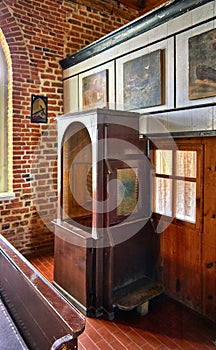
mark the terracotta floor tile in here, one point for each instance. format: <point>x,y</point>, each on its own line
<point>137,338</point>
<point>169,325</point>
<point>133,346</point>
<point>103,344</point>
<point>106,334</point>
<point>151,339</point>
<point>118,346</point>
<point>147,347</point>
<point>93,334</point>
<point>169,343</point>
<point>87,343</point>
<point>123,338</point>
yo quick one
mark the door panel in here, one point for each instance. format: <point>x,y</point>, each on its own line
<point>180,250</point>
<point>189,254</point>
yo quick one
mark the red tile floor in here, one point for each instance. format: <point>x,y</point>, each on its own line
<point>168,325</point>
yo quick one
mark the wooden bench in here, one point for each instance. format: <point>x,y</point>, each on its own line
<point>33,314</point>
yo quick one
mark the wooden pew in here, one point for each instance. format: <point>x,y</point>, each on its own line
<point>44,318</point>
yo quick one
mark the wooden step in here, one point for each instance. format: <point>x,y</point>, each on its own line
<point>137,294</point>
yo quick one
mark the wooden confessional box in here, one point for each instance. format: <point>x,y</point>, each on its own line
<point>106,251</point>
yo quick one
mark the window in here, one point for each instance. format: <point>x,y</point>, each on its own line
<point>176,185</point>
<point>5,120</point>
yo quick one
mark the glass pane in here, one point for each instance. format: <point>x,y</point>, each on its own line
<point>163,197</point>
<point>186,201</point>
<point>77,175</point>
<point>3,121</point>
<point>164,162</point>
<point>186,163</point>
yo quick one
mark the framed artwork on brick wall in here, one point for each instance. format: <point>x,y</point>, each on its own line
<point>196,66</point>
<point>145,78</point>
<point>97,87</point>
<point>39,106</point>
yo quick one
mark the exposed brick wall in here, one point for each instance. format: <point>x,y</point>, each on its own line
<point>39,34</point>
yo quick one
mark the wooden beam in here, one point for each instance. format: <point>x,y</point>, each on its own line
<point>134,4</point>
<point>107,7</point>
<point>151,5</point>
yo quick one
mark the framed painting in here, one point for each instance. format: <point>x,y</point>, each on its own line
<point>39,112</point>
<point>131,190</point>
<point>95,90</point>
<point>143,80</point>
<point>196,66</point>
<point>96,86</point>
<point>202,65</point>
<point>127,191</point>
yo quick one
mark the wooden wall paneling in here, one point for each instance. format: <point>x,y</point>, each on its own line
<point>209,230</point>
<point>209,281</point>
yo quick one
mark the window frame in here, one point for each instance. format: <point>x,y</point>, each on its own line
<point>6,133</point>
<point>181,145</point>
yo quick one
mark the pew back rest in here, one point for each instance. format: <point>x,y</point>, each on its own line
<point>45,319</point>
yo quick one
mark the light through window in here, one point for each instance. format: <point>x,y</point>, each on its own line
<point>175,184</point>
<point>3,122</point>
<point>6,122</point>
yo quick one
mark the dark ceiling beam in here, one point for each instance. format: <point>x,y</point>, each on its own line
<point>134,4</point>
<point>149,5</point>
<point>142,6</point>
<point>107,7</point>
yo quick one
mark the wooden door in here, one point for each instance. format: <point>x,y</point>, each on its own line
<point>181,240</point>
<point>188,251</point>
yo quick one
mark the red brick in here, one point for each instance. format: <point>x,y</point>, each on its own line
<point>39,34</point>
